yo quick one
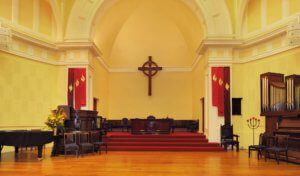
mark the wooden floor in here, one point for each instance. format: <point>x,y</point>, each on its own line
<point>144,163</point>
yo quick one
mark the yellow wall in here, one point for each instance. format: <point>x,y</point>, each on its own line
<point>171,95</point>
<point>25,16</point>
<point>253,14</point>
<point>246,84</point>
<point>5,9</point>
<point>273,13</point>
<point>45,18</point>
<point>26,13</point>
<point>28,91</point>
<point>294,6</point>
<point>100,88</point>
<point>274,9</point>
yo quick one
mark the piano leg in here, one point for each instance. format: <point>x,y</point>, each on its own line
<point>40,150</point>
<point>16,149</point>
<point>1,147</point>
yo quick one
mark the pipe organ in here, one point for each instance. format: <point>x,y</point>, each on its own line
<point>280,103</point>
<point>293,92</point>
<point>273,92</point>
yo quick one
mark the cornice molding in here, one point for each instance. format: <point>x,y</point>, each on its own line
<point>264,54</point>
<point>213,42</point>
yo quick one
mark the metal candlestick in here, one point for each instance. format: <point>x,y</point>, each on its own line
<point>253,123</point>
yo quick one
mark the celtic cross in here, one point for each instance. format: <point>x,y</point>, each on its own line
<point>150,68</point>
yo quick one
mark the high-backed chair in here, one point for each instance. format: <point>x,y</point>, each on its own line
<point>125,124</point>
<point>97,142</point>
<point>85,142</point>
<point>280,146</point>
<point>151,117</point>
<point>262,145</point>
<point>70,143</point>
<point>228,138</point>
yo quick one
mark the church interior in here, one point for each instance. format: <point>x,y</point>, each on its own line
<point>151,87</point>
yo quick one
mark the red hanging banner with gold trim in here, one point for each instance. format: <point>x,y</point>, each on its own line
<point>77,87</point>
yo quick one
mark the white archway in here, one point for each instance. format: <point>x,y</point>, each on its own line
<point>216,18</point>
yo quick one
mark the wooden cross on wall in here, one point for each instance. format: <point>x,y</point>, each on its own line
<point>150,68</point>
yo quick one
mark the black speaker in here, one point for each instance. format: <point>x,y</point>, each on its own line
<point>236,106</point>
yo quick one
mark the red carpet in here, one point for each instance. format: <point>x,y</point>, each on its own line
<point>178,141</point>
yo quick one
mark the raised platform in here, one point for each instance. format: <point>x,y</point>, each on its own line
<point>178,141</point>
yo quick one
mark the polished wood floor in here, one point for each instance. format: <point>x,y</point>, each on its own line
<point>144,163</point>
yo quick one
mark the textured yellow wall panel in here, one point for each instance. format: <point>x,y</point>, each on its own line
<point>245,52</point>
<point>246,84</point>
<point>277,43</point>
<point>26,13</point>
<point>261,48</point>
<point>29,90</point>
<point>171,95</point>
<point>100,88</point>
<point>254,15</point>
<point>6,9</point>
<point>45,18</point>
<point>274,9</point>
<point>294,6</point>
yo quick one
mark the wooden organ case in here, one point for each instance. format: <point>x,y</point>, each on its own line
<point>280,104</point>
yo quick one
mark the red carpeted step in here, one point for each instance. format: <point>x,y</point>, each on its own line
<point>181,141</point>
<point>155,136</point>
<point>191,144</point>
<point>164,148</point>
<point>156,139</point>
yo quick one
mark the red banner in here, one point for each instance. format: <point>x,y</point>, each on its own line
<point>77,87</point>
<point>70,86</point>
<point>220,77</point>
<point>80,87</point>
<point>221,91</point>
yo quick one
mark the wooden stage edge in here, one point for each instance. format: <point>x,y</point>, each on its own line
<point>144,164</point>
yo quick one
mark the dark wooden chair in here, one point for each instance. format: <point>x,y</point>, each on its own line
<point>125,124</point>
<point>279,145</point>
<point>228,138</point>
<point>85,142</point>
<point>70,143</point>
<point>151,117</point>
<point>97,142</point>
<point>262,145</point>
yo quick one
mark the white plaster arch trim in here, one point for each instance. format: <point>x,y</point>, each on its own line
<point>215,14</point>
<point>57,18</point>
<point>241,15</point>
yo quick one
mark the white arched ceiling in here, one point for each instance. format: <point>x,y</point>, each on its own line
<point>214,12</point>
<point>136,28</point>
<point>181,25</point>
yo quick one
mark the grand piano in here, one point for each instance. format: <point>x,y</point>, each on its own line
<point>24,138</point>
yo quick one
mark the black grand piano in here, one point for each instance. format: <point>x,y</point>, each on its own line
<point>24,138</point>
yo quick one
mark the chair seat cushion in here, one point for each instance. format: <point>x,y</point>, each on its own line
<point>229,141</point>
<point>257,147</point>
<point>99,143</point>
<point>276,149</point>
<point>71,147</point>
<point>86,145</point>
